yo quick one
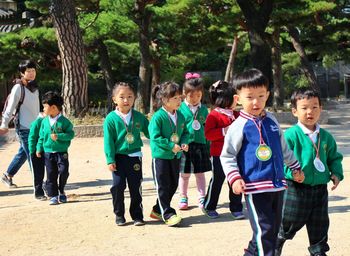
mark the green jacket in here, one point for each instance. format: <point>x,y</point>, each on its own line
<point>160,131</point>
<point>195,136</point>
<point>64,130</point>
<point>34,134</point>
<point>114,134</point>
<point>305,152</point>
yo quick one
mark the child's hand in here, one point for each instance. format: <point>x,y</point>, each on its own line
<point>3,131</point>
<point>184,147</point>
<point>335,180</point>
<point>112,167</point>
<point>238,186</point>
<point>176,148</point>
<point>298,176</point>
<point>38,154</point>
<point>54,136</point>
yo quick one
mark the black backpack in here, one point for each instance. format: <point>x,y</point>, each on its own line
<point>14,121</point>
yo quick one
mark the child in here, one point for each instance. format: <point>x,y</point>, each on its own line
<point>38,164</point>
<point>219,119</point>
<point>56,133</point>
<point>169,136</point>
<point>122,145</point>
<point>27,89</point>
<point>196,160</point>
<point>306,203</point>
<point>252,158</point>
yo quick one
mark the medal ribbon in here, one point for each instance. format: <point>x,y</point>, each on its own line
<point>172,123</point>
<point>258,126</point>
<point>314,145</point>
<point>126,124</point>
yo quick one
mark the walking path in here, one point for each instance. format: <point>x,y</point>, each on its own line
<point>85,225</point>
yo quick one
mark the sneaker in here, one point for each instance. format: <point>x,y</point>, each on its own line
<point>155,215</point>
<point>238,215</point>
<point>212,214</point>
<point>62,198</point>
<point>173,221</point>
<point>120,221</point>
<point>8,181</point>
<point>201,202</point>
<point>183,205</point>
<point>40,197</point>
<point>54,200</point>
<point>139,223</point>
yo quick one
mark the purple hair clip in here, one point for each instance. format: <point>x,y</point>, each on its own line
<point>192,75</point>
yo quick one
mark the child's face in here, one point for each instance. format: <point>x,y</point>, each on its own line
<point>29,74</point>
<point>253,99</point>
<point>194,97</point>
<point>124,99</point>
<point>308,112</point>
<point>50,110</point>
<point>172,103</point>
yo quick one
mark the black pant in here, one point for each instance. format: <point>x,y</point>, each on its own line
<point>129,169</point>
<point>166,177</point>
<point>38,165</point>
<point>265,214</point>
<point>56,169</point>
<point>214,189</point>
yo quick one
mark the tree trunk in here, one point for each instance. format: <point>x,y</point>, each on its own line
<point>306,66</point>
<point>231,61</point>
<point>257,15</point>
<point>278,92</point>
<point>142,19</point>
<point>72,51</point>
<point>106,68</point>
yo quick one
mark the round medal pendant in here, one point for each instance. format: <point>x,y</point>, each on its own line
<point>319,165</point>
<point>196,125</point>
<point>129,138</point>
<point>174,138</point>
<point>263,152</point>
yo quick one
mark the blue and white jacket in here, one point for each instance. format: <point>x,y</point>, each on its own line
<point>239,160</point>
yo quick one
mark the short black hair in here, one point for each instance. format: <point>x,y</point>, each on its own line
<point>221,94</point>
<point>26,64</point>
<point>123,84</point>
<point>193,84</point>
<point>304,93</point>
<point>53,98</point>
<point>250,78</point>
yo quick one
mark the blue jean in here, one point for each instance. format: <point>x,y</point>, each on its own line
<point>22,154</point>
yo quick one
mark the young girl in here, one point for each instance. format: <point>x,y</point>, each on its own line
<point>169,137</point>
<point>197,159</point>
<point>122,147</point>
<point>219,119</point>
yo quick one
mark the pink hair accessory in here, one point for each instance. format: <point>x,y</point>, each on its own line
<point>192,75</point>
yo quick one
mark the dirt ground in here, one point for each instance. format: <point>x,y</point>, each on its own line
<point>85,225</point>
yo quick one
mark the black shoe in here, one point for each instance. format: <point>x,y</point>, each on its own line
<point>120,221</point>
<point>40,197</point>
<point>139,223</point>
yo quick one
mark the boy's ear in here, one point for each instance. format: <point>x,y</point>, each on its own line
<point>267,94</point>
<point>236,99</point>
<point>294,112</point>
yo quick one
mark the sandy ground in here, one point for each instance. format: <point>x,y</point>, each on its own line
<point>85,225</point>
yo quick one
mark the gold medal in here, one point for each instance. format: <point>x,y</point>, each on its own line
<point>263,152</point>
<point>129,138</point>
<point>196,125</point>
<point>174,138</point>
<point>319,165</point>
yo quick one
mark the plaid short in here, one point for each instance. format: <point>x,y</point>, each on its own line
<point>196,160</point>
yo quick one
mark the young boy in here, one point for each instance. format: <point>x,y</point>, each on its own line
<point>316,150</point>
<point>38,164</point>
<point>252,159</point>
<point>56,133</point>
